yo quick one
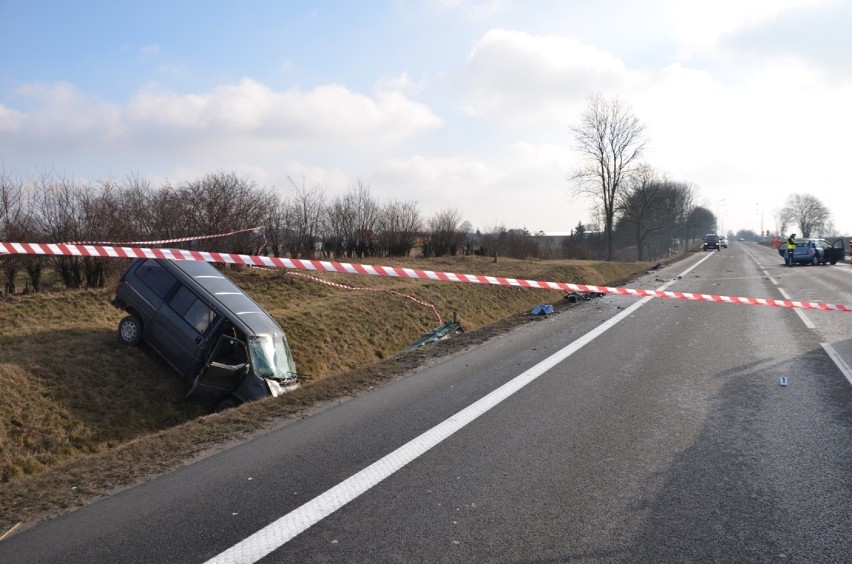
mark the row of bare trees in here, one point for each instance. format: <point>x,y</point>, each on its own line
<point>634,202</point>
<point>303,223</point>
<point>657,214</point>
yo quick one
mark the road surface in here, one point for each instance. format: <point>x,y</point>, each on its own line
<point>621,430</point>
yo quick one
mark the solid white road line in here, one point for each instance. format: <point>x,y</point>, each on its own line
<point>838,360</point>
<point>805,319</point>
<point>276,534</point>
<point>832,354</point>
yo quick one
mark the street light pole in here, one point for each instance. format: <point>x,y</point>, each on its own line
<point>760,209</point>
<point>720,207</point>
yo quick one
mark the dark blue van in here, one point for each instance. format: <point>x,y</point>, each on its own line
<point>227,346</point>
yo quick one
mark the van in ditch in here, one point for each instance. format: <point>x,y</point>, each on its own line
<point>222,342</point>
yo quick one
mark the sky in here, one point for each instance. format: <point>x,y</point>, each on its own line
<point>463,105</point>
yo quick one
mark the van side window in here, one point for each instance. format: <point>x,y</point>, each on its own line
<point>230,352</point>
<point>153,275</point>
<point>194,311</point>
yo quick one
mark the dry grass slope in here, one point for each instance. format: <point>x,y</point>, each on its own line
<point>81,415</point>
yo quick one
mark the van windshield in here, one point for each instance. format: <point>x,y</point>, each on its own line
<point>271,358</point>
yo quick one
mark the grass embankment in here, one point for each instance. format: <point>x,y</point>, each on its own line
<point>82,415</point>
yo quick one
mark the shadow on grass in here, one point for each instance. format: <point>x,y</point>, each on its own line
<point>72,392</point>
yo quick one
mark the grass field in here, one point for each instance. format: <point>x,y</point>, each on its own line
<point>81,415</point>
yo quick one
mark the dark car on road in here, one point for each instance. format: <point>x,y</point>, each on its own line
<point>814,251</point>
<point>222,342</point>
<point>711,242</point>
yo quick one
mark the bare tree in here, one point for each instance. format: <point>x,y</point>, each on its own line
<point>367,214</point>
<point>165,212</point>
<point>513,243</point>
<point>338,226</point>
<point>303,218</point>
<point>444,237</point>
<point>102,218</point>
<point>14,226</point>
<point>221,203</point>
<point>808,212</point>
<point>275,225</point>
<point>399,227</point>
<point>57,217</point>
<point>610,139</point>
<point>699,221</point>
<point>641,206</point>
<point>139,211</point>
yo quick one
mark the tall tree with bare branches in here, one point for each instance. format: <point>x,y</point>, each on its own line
<point>610,140</point>
<point>806,210</point>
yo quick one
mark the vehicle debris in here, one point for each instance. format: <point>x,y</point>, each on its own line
<point>452,327</point>
<point>574,297</point>
<point>542,309</point>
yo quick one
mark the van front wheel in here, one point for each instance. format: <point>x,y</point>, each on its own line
<point>130,330</point>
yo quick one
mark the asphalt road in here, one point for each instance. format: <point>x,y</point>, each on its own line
<point>664,435</point>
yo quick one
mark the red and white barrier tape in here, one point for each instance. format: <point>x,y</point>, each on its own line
<point>163,241</point>
<point>392,271</point>
<point>363,289</point>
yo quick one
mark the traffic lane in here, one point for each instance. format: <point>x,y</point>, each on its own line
<point>824,284</point>
<point>769,476</point>
<point>197,511</point>
<point>791,440</point>
<point>580,462</point>
<point>545,472</point>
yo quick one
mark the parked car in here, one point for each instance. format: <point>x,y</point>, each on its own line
<point>814,251</point>
<point>711,242</point>
<point>222,342</point>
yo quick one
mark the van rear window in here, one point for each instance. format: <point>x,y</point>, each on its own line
<point>153,275</point>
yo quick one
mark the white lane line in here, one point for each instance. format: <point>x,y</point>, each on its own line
<point>838,360</point>
<point>762,267</point>
<point>279,532</point>
<point>832,354</point>
<point>808,323</point>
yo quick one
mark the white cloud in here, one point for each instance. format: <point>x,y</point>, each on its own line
<point>816,32</point>
<point>526,186</point>
<point>401,83</point>
<point>513,76</point>
<point>743,113</point>
<point>10,119</point>
<point>326,113</point>
<point>423,178</point>
<point>63,118</point>
<point>699,26</point>
<point>152,49</point>
<point>244,116</point>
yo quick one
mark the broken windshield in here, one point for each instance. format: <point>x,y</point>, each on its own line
<point>271,358</point>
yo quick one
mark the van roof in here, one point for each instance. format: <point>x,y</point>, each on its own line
<point>229,295</point>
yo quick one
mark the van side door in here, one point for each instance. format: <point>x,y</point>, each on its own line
<point>223,372</point>
<point>182,323</point>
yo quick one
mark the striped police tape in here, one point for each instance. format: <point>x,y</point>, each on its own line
<point>258,230</point>
<point>64,249</point>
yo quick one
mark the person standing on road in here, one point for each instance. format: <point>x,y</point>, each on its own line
<point>791,246</point>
